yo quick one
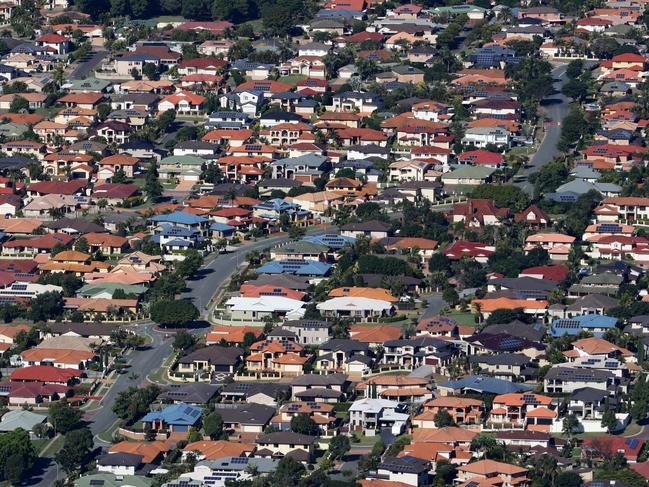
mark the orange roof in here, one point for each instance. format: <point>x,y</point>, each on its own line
<point>550,237</point>
<point>490,305</point>
<point>122,159</point>
<point>393,380</point>
<point>291,358</point>
<point>149,450</point>
<point>12,331</point>
<point>517,399</point>
<point>101,305</point>
<point>61,356</point>
<point>71,255</point>
<point>411,242</point>
<point>253,291</point>
<point>363,292</point>
<point>374,334</point>
<point>491,467</point>
<point>381,483</point>
<point>541,413</point>
<point>594,345</point>
<point>83,98</point>
<point>213,450</point>
<point>105,239</point>
<point>449,434</point>
<point>232,334</point>
<point>20,225</point>
<point>426,451</point>
<point>405,391</point>
<point>453,402</point>
<point>179,96</point>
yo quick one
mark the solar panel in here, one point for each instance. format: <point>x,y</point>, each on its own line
<point>96,482</point>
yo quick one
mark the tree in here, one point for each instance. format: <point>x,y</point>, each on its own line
<point>174,313</point>
<point>19,105</point>
<point>76,449</point>
<point>212,174</point>
<point>302,423</point>
<point>166,120</point>
<point>150,70</point>
<point>503,316</point>
<point>152,186</point>
<point>184,341</point>
<point>504,195</point>
<point>45,306</point>
<point>196,9</point>
<point>443,419</point>
<point>338,447</point>
<point>190,264</point>
<point>81,245</point>
<point>15,468</point>
<point>58,247</point>
<point>63,417</point>
<point>213,425</point>
<point>15,443</point>
<point>576,89</point>
<point>439,262</point>
<point>569,479</point>
<point>609,421</point>
<point>133,403</point>
<point>119,177</point>
<point>570,423</point>
<point>288,472</point>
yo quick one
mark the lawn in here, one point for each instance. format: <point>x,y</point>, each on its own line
<point>364,440</point>
<point>39,444</point>
<point>49,449</point>
<point>463,318</point>
<point>292,79</point>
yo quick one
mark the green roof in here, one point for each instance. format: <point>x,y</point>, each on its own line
<point>301,247</point>
<point>110,480</point>
<point>88,84</point>
<point>184,160</point>
<point>458,9</point>
<point>473,172</point>
<point>111,287</point>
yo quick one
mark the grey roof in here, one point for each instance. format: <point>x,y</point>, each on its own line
<point>593,301</point>
<point>337,379</point>
<point>79,224</point>
<point>588,394</point>
<point>524,283</point>
<point>120,459</point>
<point>407,465</point>
<point>605,278</point>
<point>533,333</point>
<point>578,375</point>
<point>215,355</point>
<point>286,438</point>
<point>83,329</point>
<point>579,186</point>
<point>279,183</point>
<point>314,161</point>
<point>20,418</point>
<point>369,226</point>
<point>251,414</point>
<point>282,280</point>
<point>193,393</point>
<point>344,345</point>
<point>500,359</point>
<point>248,389</point>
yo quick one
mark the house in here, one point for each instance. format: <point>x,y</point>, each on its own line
<point>183,102</point>
<point>484,136</point>
<point>533,217</point>
<point>478,213</point>
<point>214,450</point>
<point>56,43</point>
<point>255,310</point>
<point>374,229</point>
<point>565,380</point>
<point>282,443</point>
<point>319,388</point>
<point>417,351</point>
<point>462,410</point>
<point>558,245</point>
<point>246,419</point>
<point>345,355</point>
<point>356,308</point>
<point>360,102</point>
<point>468,175</point>
<point>397,388</point>
<point>479,384</point>
<point>404,470</point>
<point>201,364</point>
<point>592,323</point>
<point>491,471</point>
<point>372,415</point>
<point>119,464</point>
<point>177,418</point>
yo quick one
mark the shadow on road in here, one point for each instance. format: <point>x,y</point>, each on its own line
<point>551,101</point>
<point>200,274</point>
<point>41,466</point>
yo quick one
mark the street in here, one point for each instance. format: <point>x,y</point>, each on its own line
<point>84,68</point>
<point>556,107</point>
<point>200,290</point>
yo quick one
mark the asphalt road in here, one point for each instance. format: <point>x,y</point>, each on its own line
<point>435,305</point>
<point>83,69</point>
<point>556,107</point>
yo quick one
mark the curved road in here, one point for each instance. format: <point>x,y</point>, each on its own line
<point>556,107</point>
<point>200,290</point>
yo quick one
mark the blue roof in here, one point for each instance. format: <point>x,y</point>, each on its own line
<point>487,385</point>
<point>275,204</point>
<point>333,241</point>
<point>221,227</point>
<point>177,414</point>
<point>577,324</point>
<point>295,266</point>
<point>179,218</point>
<point>173,231</point>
